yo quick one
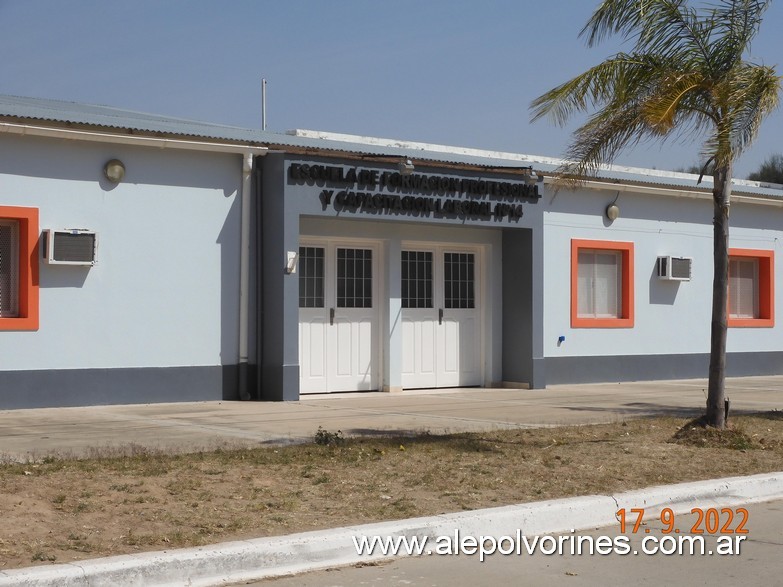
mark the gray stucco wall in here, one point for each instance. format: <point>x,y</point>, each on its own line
<point>618,368</point>
<point>278,320</point>
<point>55,388</point>
<point>517,307</point>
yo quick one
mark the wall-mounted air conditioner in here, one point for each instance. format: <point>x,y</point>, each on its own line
<point>75,246</point>
<point>675,268</point>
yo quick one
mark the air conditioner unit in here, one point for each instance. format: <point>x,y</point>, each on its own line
<point>70,246</point>
<point>675,268</point>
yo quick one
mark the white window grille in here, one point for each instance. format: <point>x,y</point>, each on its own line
<point>599,288</point>
<point>416,279</point>
<point>744,288</point>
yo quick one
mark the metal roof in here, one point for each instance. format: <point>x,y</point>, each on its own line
<point>107,117</point>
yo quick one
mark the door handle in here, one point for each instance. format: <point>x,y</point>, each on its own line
<point>331,316</point>
<point>440,316</point>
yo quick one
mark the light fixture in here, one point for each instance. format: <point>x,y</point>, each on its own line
<point>612,211</point>
<point>114,170</point>
<point>406,167</point>
<point>529,176</point>
<point>291,261</point>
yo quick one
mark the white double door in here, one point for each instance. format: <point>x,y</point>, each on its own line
<point>338,316</point>
<point>441,317</point>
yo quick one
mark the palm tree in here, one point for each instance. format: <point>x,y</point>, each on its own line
<point>685,76</point>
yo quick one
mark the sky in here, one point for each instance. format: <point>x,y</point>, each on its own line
<point>452,72</point>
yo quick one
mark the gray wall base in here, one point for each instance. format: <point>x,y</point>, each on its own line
<point>651,367</point>
<point>95,387</point>
<point>280,384</point>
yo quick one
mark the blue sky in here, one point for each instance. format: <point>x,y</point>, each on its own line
<point>453,72</point>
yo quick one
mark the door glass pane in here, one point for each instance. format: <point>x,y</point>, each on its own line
<point>458,280</point>
<point>354,278</point>
<point>311,277</point>
<point>416,279</point>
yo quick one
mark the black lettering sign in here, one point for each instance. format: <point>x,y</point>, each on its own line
<point>417,194</point>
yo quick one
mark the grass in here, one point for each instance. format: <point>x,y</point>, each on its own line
<point>65,509</point>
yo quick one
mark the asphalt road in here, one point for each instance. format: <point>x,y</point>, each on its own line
<point>759,562</point>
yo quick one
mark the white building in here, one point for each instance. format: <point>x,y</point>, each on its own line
<point>233,263</point>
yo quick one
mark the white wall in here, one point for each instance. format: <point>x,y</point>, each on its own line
<point>670,317</point>
<point>165,289</point>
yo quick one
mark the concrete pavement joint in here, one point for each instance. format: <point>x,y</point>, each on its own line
<point>403,414</point>
<point>261,558</point>
<point>223,430</point>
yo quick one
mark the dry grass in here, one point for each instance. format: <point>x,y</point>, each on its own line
<point>60,509</point>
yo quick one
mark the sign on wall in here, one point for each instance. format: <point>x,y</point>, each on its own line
<point>373,191</point>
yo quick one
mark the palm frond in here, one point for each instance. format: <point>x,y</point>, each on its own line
<point>611,81</point>
<point>601,138</point>
<point>665,104</point>
<point>753,93</point>
<point>655,26</point>
<point>736,23</point>
<point>684,78</point>
<point>613,17</point>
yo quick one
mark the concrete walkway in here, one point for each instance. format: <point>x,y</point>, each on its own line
<point>26,434</point>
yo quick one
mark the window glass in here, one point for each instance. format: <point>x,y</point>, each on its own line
<point>311,277</point>
<point>354,278</point>
<point>743,288</point>
<point>9,269</point>
<point>599,282</point>
<point>458,280</point>
<point>416,273</point>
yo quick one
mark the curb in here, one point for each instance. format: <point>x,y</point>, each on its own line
<point>248,560</point>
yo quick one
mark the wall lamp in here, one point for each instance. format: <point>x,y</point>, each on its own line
<point>406,167</point>
<point>291,261</point>
<point>114,170</point>
<point>612,211</point>
<point>529,176</point>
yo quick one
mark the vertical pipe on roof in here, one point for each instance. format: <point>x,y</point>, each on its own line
<point>263,104</point>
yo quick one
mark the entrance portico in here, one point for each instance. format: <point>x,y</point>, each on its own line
<point>395,284</point>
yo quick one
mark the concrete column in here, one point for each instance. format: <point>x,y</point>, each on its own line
<point>392,329</point>
<point>538,379</point>
<point>280,290</point>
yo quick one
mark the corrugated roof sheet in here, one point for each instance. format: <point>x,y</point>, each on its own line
<point>108,117</point>
<point>58,111</point>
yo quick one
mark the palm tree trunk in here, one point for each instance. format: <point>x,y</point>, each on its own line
<point>716,391</point>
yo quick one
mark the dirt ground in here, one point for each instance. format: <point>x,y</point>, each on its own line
<point>61,510</point>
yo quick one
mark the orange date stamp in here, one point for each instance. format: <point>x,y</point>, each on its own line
<point>708,521</point>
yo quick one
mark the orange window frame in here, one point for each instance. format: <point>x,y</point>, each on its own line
<point>28,318</point>
<point>626,320</point>
<point>766,289</point>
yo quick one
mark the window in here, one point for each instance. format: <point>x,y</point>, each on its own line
<point>18,268</point>
<point>751,288</point>
<point>458,280</point>
<point>9,268</point>
<point>416,279</point>
<point>354,278</point>
<point>311,277</point>
<point>601,284</point>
